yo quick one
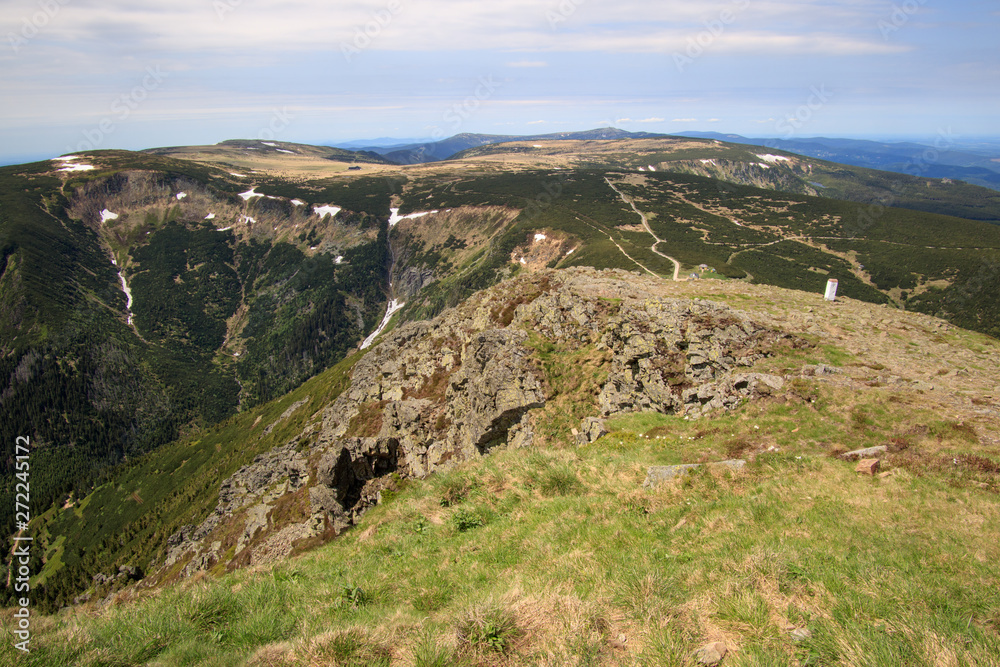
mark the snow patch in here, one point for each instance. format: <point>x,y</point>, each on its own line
<point>396,218</point>
<point>540,237</point>
<point>298,202</point>
<point>339,260</point>
<point>523,260</point>
<point>250,194</point>
<point>268,143</point>
<point>247,219</point>
<point>642,169</point>
<point>233,173</point>
<point>128,293</point>
<point>223,229</point>
<point>763,166</point>
<point>711,162</point>
<point>323,211</point>
<point>652,168</point>
<point>108,215</point>
<point>538,146</point>
<point>210,216</point>
<point>767,157</point>
<point>181,195</point>
<point>67,164</point>
<point>282,150</point>
<point>390,311</point>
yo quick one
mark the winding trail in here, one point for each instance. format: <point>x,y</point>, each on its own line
<point>645,223</point>
<point>621,249</point>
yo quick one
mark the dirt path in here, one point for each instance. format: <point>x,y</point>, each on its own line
<point>612,239</point>
<point>645,223</point>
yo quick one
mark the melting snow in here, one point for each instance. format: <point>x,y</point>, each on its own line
<point>210,216</point>
<point>764,166</point>
<point>390,311</point>
<point>642,169</point>
<point>282,150</point>
<point>233,173</point>
<point>538,146</point>
<point>250,194</point>
<point>652,168</point>
<point>128,293</point>
<point>181,195</point>
<point>68,166</point>
<point>247,219</point>
<point>339,260</point>
<point>268,143</point>
<point>108,215</point>
<point>323,211</point>
<point>396,218</point>
<point>711,162</point>
<point>224,229</point>
<point>773,158</point>
<point>540,237</point>
<point>523,260</point>
<point>298,202</point>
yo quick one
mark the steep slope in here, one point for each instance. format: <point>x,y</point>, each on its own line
<point>576,383</point>
<point>144,295</point>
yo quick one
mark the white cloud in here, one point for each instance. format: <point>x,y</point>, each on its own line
<point>536,122</point>
<point>684,120</point>
<point>228,30</point>
<point>651,120</point>
<point>714,120</point>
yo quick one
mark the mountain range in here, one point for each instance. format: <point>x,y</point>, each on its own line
<point>232,357</point>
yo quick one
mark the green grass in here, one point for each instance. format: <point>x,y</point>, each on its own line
<point>555,554</point>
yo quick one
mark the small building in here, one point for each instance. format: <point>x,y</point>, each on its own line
<point>354,169</point>
<point>704,267</point>
<point>694,276</point>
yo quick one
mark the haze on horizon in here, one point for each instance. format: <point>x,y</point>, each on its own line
<point>83,74</point>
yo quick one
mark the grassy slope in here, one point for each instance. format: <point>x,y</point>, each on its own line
<point>128,520</point>
<point>558,556</point>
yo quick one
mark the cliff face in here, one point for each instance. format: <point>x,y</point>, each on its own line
<point>435,393</point>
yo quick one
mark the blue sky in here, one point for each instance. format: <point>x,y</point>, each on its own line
<point>84,74</point>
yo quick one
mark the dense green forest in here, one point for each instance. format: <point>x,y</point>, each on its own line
<point>93,392</point>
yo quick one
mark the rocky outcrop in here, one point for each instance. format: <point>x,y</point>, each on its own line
<point>436,393</point>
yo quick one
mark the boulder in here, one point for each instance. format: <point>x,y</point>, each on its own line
<point>592,429</point>
<point>868,466</point>
<point>711,654</point>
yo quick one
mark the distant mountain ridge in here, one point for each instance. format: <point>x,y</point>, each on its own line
<point>435,151</point>
<point>942,160</point>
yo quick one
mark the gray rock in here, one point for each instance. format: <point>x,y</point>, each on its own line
<point>657,475</point>
<point>711,654</point>
<point>801,634</point>
<point>866,453</point>
<point>592,430</point>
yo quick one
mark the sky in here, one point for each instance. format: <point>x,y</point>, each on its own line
<point>79,75</point>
